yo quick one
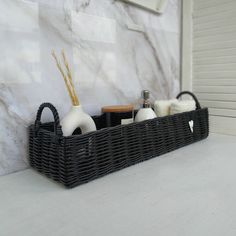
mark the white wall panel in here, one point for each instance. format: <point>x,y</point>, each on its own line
<point>214,61</point>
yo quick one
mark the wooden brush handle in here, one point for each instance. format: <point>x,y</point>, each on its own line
<point>118,108</point>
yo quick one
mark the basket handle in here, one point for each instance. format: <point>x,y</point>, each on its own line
<point>198,106</point>
<point>57,126</point>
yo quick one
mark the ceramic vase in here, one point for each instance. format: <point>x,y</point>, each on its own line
<point>77,118</point>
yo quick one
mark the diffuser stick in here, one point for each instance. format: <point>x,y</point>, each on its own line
<point>70,78</point>
<point>65,78</point>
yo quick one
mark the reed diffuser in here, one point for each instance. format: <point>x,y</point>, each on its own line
<point>76,117</point>
<point>67,78</point>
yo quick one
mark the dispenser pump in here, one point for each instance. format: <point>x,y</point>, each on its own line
<point>145,112</point>
<point>146,101</point>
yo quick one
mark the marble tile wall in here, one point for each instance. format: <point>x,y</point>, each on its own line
<point>111,62</point>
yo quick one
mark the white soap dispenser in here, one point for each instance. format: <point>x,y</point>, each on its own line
<point>146,112</point>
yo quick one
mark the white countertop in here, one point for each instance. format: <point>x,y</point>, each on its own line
<point>188,192</point>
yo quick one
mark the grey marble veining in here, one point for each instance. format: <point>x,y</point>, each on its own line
<point>111,63</point>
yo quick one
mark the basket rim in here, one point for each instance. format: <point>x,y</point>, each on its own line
<point>32,126</point>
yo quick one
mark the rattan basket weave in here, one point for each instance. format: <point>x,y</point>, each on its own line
<point>78,159</point>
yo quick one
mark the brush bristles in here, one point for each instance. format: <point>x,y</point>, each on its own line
<point>67,78</point>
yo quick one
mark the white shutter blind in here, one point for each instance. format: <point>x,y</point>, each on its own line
<point>214,61</point>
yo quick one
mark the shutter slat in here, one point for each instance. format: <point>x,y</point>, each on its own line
<point>214,53</point>
<point>213,31</point>
<point>216,45</point>
<point>217,97</point>
<point>229,21</point>
<point>214,60</point>
<point>212,82</point>
<point>222,112</point>
<point>208,39</point>
<point>214,89</point>
<point>206,4</point>
<point>214,74</point>
<point>218,104</point>
<point>218,67</point>
<point>204,19</point>
<point>215,9</point>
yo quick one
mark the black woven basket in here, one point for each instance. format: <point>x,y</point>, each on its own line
<point>80,158</point>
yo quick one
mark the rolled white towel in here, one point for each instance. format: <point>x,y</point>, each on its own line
<point>162,107</point>
<point>182,106</point>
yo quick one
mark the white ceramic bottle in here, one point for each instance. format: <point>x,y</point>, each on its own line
<point>75,118</point>
<point>146,112</point>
